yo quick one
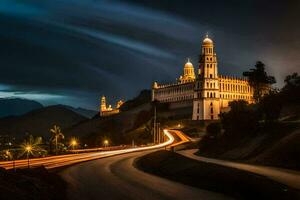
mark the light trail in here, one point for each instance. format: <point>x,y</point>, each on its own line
<point>64,160</point>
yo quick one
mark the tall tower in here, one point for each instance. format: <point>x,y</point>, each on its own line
<point>103,104</point>
<point>206,97</point>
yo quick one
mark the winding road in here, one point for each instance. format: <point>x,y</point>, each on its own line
<point>284,176</point>
<point>116,178</point>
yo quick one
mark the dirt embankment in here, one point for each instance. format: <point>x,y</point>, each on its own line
<point>278,146</point>
<point>31,184</point>
<point>233,182</point>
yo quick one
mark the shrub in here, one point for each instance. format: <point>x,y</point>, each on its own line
<point>213,129</point>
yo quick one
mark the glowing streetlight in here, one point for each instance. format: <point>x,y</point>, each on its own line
<point>28,150</point>
<point>105,142</point>
<point>73,143</point>
<point>179,125</point>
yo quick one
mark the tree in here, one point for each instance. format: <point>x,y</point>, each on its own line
<point>241,119</point>
<point>213,129</point>
<point>259,80</point>
<point>270,106</point>
<point>291,91</point>
<point>56,134</point>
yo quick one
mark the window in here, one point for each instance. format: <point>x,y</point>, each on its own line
<point>210,76</point>
<point>211,110</point>
<point>211,117</point>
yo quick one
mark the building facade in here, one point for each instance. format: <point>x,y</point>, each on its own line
<point>109,110</point>
<point>207,93</point>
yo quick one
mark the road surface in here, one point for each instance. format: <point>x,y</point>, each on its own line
<point>288,177</point>
<point>116,178</point>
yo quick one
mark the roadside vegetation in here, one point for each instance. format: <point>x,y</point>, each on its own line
<point>267,132</point>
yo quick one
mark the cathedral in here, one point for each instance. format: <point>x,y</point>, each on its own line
<point>206,92</point>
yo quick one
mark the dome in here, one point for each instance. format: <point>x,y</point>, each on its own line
<point>188,64</point>
<point>207,40</point>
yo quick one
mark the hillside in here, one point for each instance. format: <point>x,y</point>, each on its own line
<point>116,128</point>
<point>275,145</point>
<point>17,106</point>
<point>83,111</point>
<point>38,122</point>
<point>132,124</point>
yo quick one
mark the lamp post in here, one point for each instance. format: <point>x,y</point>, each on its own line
<point>105,142</point>
<point>73,143</point>
<point>28,149</point>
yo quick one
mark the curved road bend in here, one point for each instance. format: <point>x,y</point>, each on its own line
<point>117,178</point>
<point>284,176</point>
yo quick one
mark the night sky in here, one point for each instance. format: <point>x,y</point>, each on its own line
<point>73,51</point>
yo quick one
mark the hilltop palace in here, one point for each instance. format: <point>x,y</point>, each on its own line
<point>109,110</point>
<point>208,93</point>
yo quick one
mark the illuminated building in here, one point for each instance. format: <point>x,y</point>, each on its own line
<point>108,110</point>
<point>208,93</point>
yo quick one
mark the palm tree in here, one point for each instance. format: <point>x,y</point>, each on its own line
<point>56,134</point>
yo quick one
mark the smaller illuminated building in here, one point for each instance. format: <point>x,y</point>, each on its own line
<point>109,110</point>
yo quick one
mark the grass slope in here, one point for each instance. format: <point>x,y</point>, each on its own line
<point>233,182</point>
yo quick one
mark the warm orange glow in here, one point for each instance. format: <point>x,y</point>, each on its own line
<point>73,142</point>
<point>105,142</point>
<point>28,148</point>
<point>64,160</point>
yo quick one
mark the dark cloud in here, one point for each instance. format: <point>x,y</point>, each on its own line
<point>73,51</point>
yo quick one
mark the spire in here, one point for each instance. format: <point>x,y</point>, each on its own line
<point>188,60</point>
<point>206,36</point>
<point>207,40</point>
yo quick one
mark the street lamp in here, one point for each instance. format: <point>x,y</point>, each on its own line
<point>105,142</point>
<point>179,125</point>
<point>73,143</point>
<point>28,149</point>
